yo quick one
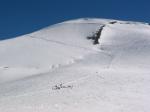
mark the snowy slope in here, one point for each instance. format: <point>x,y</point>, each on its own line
<point>57,69</point>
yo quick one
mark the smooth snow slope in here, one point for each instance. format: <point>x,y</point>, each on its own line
<point>57,69</point>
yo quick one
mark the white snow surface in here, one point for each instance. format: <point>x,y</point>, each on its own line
<point>57,69</point>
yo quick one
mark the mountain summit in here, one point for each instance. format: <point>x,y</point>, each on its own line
<point>83,65</point>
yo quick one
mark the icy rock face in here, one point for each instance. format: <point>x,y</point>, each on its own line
<point>83,65</point>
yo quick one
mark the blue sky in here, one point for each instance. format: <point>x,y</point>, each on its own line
<point>18,17</point>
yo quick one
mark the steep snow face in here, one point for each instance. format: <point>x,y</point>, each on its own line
<point>58,69</point>
<point>129,44</point>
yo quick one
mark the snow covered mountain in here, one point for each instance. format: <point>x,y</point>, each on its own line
<point>59,69</point>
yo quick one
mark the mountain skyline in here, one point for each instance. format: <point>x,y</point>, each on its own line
<point>26,16</point>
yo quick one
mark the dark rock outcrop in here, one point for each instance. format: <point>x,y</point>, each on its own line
<point>96,36</point>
